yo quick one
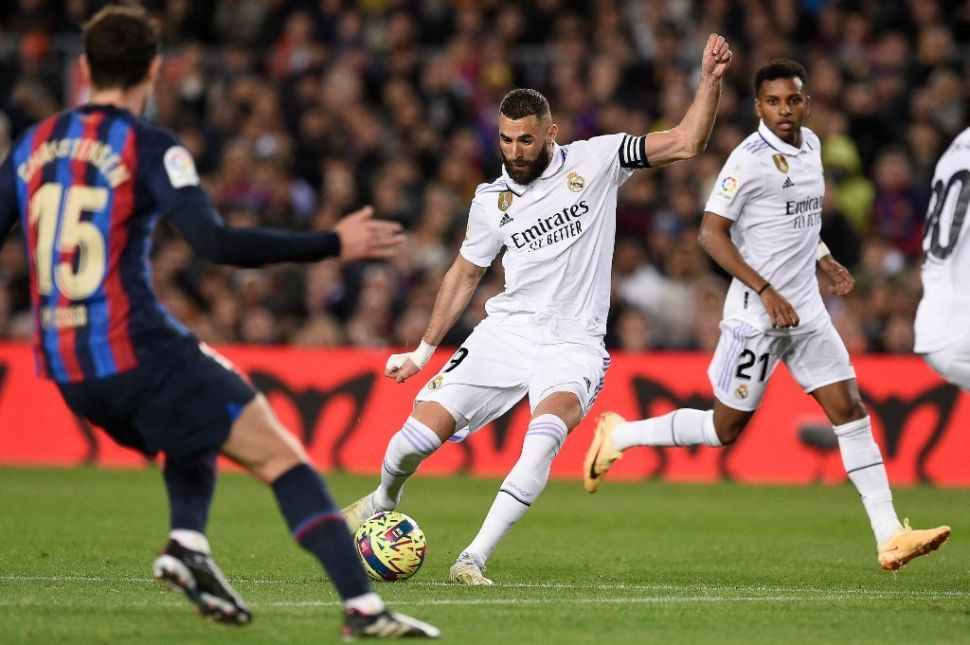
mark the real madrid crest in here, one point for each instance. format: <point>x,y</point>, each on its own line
<point>435,383</point>
<point>504,200</point>
<point>575,181</point>
<point>780,162</point>
<point>742,391</point>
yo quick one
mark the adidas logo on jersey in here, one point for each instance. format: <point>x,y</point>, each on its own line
<point>788,183</point>
<point>505,220</point>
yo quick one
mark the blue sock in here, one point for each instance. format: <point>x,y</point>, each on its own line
<point>191,483</point>
<point>316,523</point>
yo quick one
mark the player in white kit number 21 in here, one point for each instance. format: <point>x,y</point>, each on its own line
<point>554,211</point>
<point>943,317</point>
<point>761,224</point>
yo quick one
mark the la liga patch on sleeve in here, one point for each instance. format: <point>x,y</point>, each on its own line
<point>180,168</point>
<point>727,188</point>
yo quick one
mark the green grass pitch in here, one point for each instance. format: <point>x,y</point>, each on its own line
<point>635,563</point>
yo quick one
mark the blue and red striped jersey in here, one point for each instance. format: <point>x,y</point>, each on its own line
<point>88,186</point>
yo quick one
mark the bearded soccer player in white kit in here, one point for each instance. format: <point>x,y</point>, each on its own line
<point>943,317</point>
<point>761,224</point>
<point>554,211</point>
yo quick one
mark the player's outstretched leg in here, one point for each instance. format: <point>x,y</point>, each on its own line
<point>386,624</point>
<point>602,452</point>
<point>194,573</point>
<point>409,446</point>
<point>908,543</point>
<point>521,488</point>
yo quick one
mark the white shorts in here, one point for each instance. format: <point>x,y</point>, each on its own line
<point>952,363</point>
<point>498,364</point>
<point>746,357</point>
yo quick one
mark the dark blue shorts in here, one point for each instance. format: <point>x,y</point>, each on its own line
<point>182,403</point>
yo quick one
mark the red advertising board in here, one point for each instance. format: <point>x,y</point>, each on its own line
<point>339,403</point>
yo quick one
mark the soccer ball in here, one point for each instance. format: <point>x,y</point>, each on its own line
<point>391,546</point>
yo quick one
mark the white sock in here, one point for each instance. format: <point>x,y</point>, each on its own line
<point>369,603</point>
<point>409,446</point>
<point>863,464</point>
<point>683,427</point>
<point>523,484</point>
<point>190,540</point>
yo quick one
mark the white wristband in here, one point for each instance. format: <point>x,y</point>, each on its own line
<point>821,251</point>
<point>422,354</point>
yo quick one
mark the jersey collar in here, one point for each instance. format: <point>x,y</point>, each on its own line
<point>772,140</point>
<point>555,164</point>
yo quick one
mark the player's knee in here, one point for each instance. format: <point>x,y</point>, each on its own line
<point>261,444</point>
<point>851,410</point>
<point>728,432</point>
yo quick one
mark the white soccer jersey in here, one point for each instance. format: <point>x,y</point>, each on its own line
<point>943,316</point>
<point>773,192</point>
<point>558,233</point>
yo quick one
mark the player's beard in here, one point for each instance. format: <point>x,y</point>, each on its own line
<point>528,174</point>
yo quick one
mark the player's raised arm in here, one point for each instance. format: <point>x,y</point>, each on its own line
<point>715,239</point>
<point>455,292</point>
<point>689,137</point>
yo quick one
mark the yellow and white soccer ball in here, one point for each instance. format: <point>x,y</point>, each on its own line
<point>391,546</point>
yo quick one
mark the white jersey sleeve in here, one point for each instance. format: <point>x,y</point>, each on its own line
<point>740,180</point>
<point>482,243</point>
<point>621,153</point>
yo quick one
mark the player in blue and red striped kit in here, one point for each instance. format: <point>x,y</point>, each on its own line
<point>88,186</point>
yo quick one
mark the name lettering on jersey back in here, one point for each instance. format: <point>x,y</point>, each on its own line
<point>553,229</point>
<point>64,317</point>
<point>96,153</point>
<point>807,212</point>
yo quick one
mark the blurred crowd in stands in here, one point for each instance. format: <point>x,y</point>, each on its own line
<point>298,112</point>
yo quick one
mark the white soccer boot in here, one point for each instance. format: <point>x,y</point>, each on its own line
<point>358,512</point>
<point>467,570</point>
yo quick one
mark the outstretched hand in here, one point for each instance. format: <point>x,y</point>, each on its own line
<point>717,56</point>
<point>364,238</point>
<point>842,280</point>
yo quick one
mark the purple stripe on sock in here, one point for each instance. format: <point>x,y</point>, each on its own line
<point>549,430</point>
<point>416,441</point>
<point>421,438</point>
<point>555,437</point>
<point>314,521</point>
<point>546,425</point>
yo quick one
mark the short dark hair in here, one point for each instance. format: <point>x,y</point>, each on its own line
<point>524,102</point>
<point>779,68</point>
<point>120,43</point>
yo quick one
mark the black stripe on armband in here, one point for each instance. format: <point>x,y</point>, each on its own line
<point>633,152</point>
